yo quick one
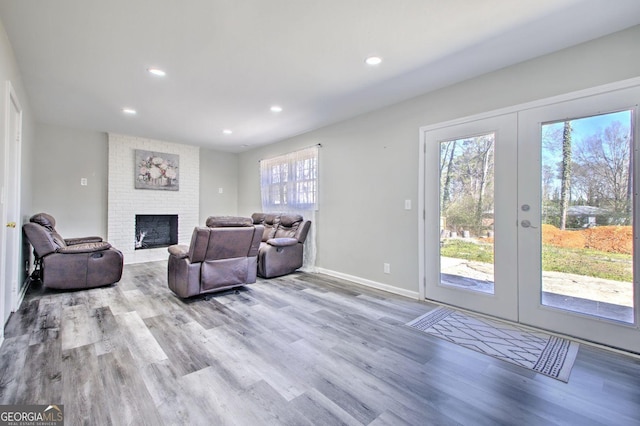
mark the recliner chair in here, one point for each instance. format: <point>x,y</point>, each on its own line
<point>72,263</point>
<point>221,256</point>
<point>282,247</point>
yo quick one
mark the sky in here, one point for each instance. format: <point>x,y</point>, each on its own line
<point>584,127</point>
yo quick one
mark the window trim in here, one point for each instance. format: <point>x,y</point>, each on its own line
<point>290,181</point>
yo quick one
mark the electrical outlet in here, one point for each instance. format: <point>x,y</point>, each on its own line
<point>83,181</point>
<point>387,268</point>
<point>220,190</point>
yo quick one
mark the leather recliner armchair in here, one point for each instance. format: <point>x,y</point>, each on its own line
<point>72,263</point>
<point>282,247</point>
<point>221,256</point>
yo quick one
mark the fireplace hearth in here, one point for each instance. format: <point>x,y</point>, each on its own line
<point>156,230</point>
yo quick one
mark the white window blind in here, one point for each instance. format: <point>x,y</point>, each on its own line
<point>290,182</point>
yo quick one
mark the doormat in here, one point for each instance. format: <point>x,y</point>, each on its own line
<point>546,354</point>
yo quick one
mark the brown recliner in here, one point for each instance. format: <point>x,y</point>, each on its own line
<point>282,247</point>
<point>72,263</point>
<point>222,255</point>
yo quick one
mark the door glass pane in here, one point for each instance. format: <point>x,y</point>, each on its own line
<point>466,213</point>
<point>587,216</point>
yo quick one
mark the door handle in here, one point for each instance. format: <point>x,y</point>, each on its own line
<point>527,224</point>
<point>11,225</point>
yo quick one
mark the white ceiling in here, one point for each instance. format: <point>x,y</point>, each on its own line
<point>228,61</point>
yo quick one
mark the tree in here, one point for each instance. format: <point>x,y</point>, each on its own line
<point>565,178</point>
<point>466,181</point>
<point>485,166</point>
<point>447,149</point>
<point>606,160</point>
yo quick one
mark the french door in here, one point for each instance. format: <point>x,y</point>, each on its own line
<point>530,215</point>
<point>577,215</point>
<point>470,249</point>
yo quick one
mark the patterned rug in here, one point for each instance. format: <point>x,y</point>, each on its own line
<point>540,352</point>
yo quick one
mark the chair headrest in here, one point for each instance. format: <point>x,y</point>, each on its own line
<point>272,219</point>
<point>258,218</point>
<point>44,219</point>
<point>289,220</point>
<point>228,221</point>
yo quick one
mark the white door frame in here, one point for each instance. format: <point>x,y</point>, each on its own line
<point>503,302</point>
<point>10,237</point>
<point>427,261</point>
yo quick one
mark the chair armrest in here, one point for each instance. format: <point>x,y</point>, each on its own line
<point>82,240</point>
<point>179,250</point>
<point>282,242</point>
<point>85,247</point>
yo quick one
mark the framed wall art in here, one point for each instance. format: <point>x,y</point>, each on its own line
<point>157,170</point>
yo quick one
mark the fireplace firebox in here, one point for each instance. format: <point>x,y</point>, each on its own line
<point>156,230</point>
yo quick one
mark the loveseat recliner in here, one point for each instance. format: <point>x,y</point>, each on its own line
<point>221,256</point>
<point>72,263</point>
<point>282,246</point>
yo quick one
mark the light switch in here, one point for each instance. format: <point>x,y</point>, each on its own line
<point>407,204</point>
<point>220,191</point>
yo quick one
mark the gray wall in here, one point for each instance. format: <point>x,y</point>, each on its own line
<point>369,164</point>
<point>63,157</point>
<point>9,72</point>
<point>218,170</point>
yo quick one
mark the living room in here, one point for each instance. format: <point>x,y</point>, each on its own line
<point>368,161</point>
<point>376,148</point>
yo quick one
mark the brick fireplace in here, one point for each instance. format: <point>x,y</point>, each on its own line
<point>156,230</point>
<point>125,202</point>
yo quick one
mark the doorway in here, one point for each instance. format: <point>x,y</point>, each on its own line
<point>471,247</point>
<point>10,208</point>
<point>530,215</point>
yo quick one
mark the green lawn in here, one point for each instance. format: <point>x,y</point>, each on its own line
<point>586,262</point>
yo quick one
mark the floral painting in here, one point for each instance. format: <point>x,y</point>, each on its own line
<point>156,170</point>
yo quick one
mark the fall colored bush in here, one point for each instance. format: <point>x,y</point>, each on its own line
<point>566,239</point>
<point>611,239</point>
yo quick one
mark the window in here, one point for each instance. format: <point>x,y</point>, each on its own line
<point>467,212</point>
<point>290,182</point>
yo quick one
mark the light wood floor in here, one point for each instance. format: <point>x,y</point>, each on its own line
<point>300,350</point>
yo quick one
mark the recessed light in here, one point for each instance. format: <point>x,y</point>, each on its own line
<point>157,71</point>
<point>276,108</point>
<point>227,131</point>
<point>129,111</point>
<point>373,60</point>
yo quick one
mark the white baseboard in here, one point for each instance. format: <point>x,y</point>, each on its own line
<point>23,292</point>
<point>368,283</point>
